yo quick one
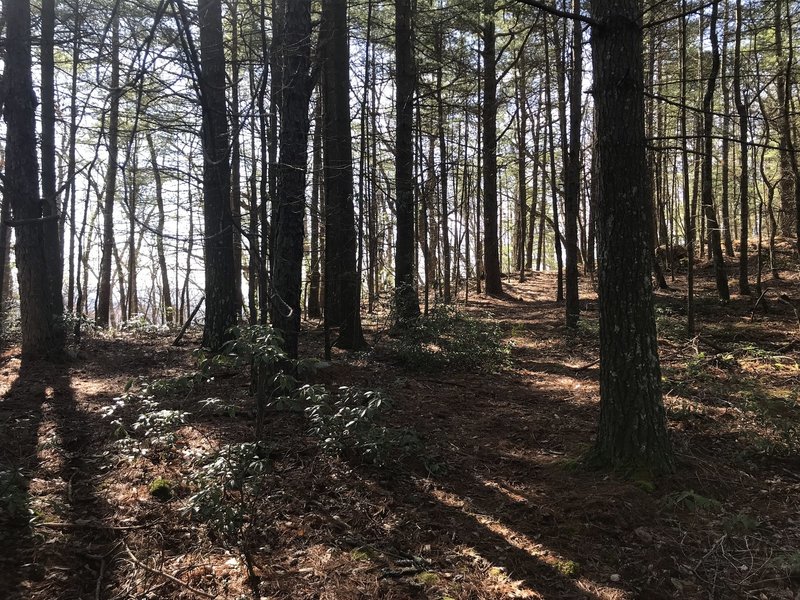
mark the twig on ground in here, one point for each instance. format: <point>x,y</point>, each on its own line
<point>149,569</point>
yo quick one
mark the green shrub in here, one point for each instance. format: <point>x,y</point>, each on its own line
<point>345,423</point>
<point>448,339</point>
<point>229,485</point>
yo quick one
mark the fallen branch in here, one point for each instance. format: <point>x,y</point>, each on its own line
<point>149,569</point>
<point>714,346</point>
<point>177,340</point>
<point>755,306</point>
<point>93,525</point>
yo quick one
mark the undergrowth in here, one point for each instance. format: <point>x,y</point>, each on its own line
<point>446,338</point>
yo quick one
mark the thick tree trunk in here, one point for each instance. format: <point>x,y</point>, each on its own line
<point>40,336</point>
<point>343,285</point>
<point>220,270</point>
<point>491,243</point>
<point>632,432</point>
<point>288,257</point>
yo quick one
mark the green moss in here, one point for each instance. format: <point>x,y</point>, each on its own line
<point>161,489</point>
<point>363,554</point>
<point>568,568</point>
<point>427,578</point>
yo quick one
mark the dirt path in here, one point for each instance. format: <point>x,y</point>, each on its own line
<point>493,505</point>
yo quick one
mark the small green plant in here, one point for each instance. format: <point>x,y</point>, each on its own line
<point>13,497</point>
<point>228,487</point>
<point>345,423</point>
<point>274,376</point>
<point>568,568</point>
<point>161,489</point>
<point>448,339</point>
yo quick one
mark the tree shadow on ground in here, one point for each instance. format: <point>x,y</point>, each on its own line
<point>56,538</point>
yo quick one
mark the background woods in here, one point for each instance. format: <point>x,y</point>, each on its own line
<point>547,198</point>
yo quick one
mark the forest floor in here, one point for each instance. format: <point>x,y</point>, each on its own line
<point>491,502</point>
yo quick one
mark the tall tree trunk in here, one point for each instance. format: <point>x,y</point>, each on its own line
<point>491,250</point>
<point>741,109</point>
<point>40,335</point>
<point>52,239</point>
<point>314,306</point>
<point>688,208</point>
<point>632,432</point>
<point>343,285</point>
<point>708,161</point>
<point>220,270</point>
<point>288,257</point>
<point>573,174</point>
<point>104,285</point>
<point>405,294</point>
<point>520,83</point>
<point>73,133</point>
<point>553,189</point>
<point>725,143</point>
<point>236,158</point>
<point>133,197</point>
<point>443,171</point>
<point>788,211</point>
<point>277,62</point>
<point>535,188</point>
<point>166,295</point>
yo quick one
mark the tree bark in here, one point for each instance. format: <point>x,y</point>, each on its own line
<point>343,285</point>
<point>405,291</point>
<point>715,240</point>
<point>166,295</point>
<point>741,109</point>
<point>288,257</point>
<point>491,250</point>
<point>632,432</point>
<point>104,285</point>
<point>220,270</point>
<point>40,336</point>
<point>573,174</point>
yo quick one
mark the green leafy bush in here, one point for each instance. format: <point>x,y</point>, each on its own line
<point>229,485</point>
<point>345,423</point>
<point>448,339</point>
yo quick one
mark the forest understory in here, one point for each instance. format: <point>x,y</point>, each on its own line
<point>484,494</point>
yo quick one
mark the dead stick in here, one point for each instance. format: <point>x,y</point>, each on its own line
<point>188,322</point>
<point>139,563</point>
<point>755,306</point>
